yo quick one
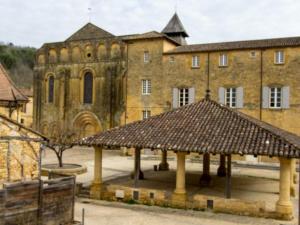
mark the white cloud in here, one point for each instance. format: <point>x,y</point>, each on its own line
<point>33,22</point>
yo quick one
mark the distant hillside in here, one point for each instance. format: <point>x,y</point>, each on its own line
<point>19,61</point>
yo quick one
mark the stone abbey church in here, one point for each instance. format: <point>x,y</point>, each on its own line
<point>95,80</point>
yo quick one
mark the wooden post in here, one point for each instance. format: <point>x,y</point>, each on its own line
<point>205,179</point>
<point>228,177</point>
<point>163,166</point>
<point>137,166</point>
<point>222,168</point>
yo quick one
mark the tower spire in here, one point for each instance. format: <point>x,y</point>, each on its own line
<point>175,30</point>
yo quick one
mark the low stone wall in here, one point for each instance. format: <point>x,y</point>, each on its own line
<point>197,202</point>
<point>232,206</point>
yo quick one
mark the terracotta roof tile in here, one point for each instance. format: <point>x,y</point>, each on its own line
<point>205,126</point>
<point>8,90</point>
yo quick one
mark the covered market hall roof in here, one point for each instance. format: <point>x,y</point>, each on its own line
<point>202,127</point>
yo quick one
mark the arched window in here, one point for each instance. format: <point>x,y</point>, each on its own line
<point>51,89</point>
<point>88,88</point>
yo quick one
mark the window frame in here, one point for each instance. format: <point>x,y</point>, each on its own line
<point>146,113</point>
<point>91,89</point>
<point>195,61</point>
<point>146,57</point>
<point>223,57</point>
<point>232,99</point>
<point>51,89</point>
<point>184,100</point>
<point>275,98</point>
<point>277,57</point>
<point>146,87</point>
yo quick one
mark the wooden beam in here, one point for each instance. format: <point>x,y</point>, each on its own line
<point>228,177</point>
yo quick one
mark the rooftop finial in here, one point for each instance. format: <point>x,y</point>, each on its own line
<point>90,13</point>
<point>207,96</point>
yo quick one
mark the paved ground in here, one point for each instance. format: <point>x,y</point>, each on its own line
<point>256,184</point>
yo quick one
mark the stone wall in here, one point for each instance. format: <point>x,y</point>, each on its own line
<point>19,158</point>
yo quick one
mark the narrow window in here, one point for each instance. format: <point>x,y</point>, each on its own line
<point>279,57</point>
<point>146,87</point>
<point>183,96</point>
<point>195,61</point>
<point>146,57</point>
<point>230,97</point>
<point>172,59</point>
<point>223,60</point>
<point>146,114</point>
<point>88,88</point>
<point>51,89</point>
<point>275,97</point>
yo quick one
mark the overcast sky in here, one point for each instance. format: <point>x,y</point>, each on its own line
<point>34,22</point>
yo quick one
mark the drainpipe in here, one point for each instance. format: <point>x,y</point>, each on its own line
<point>261,84</point>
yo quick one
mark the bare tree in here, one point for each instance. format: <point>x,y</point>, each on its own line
<point>61,143</point>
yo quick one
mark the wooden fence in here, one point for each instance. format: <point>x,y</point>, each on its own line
<point>38,202</point>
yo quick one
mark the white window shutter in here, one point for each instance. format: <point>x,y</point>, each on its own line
<point>240,97</point>
<point>175,98</point>
<point>266,97</point>
<point>191,95</point>
<point>286,97</point>
<point>222,95</point>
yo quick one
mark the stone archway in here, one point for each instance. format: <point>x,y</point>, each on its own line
<point>86,124</point>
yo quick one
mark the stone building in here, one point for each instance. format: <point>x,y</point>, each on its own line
<point>19,151</point>
<point>26,115</point>
<point>95,80</point>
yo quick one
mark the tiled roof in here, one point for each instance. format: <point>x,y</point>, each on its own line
<point>148,35</point>
<point>89,31</point>
<point>27,91</point>
<point>175,26</point>
<point>235,45</point>
<point>8,90</point>
<point>205,126</point>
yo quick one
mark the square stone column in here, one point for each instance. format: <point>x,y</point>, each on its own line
<point>284,205</point>
<point>95,192</point>
<point>179,195</point>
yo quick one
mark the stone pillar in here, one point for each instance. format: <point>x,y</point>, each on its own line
<point>97,182</point>
<point>284,204</point>
<point>163,166</point>
<point>179,195</point>
<point>293,180</point>
<point>205,178</point>
<point>222,169</point>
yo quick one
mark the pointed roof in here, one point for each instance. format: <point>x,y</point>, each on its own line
<point>8,90</point>
<point>175,26</point>
<point>89,31</point>
<point>202,127</point>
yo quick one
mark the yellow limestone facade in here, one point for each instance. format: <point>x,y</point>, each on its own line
<point>19,152</point>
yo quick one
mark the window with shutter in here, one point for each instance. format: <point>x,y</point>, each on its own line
<point>231,97</point>
<point>146,114</point>
<point>183,96</point>
<point>146,57</point>
<point>51,89</point>
<point>88,88</point>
